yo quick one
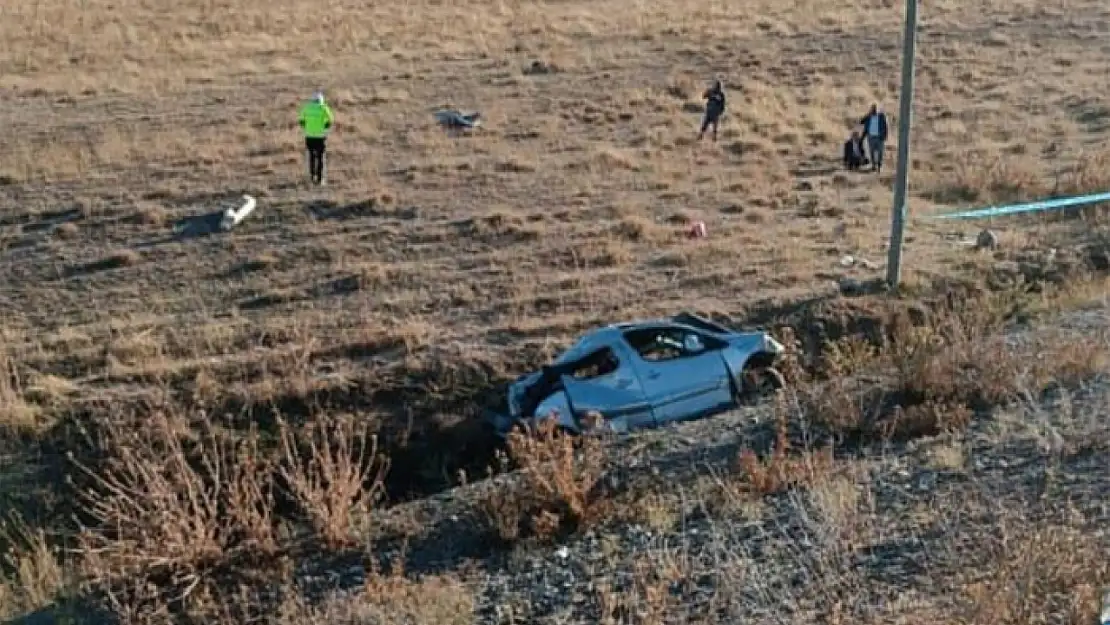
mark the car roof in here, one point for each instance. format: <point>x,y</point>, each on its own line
<point>605,335</point>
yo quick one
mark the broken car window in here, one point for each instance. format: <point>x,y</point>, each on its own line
<point>656,344</point>
<point>596,364</point>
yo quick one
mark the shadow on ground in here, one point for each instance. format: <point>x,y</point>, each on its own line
<point>58,614</point>
<point>53,219</point>
<point>325,210</point>
<point>333,287</point>
<point>198,225</point>
<point>192,227</point>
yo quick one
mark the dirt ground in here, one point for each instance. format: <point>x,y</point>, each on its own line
<point>433,265</point>
<point>133,115</point>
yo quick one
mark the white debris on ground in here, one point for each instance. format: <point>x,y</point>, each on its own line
<point>234,216</point>
<point>851,261</point>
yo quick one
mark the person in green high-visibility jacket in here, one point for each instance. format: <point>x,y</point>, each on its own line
<point>316,119</point>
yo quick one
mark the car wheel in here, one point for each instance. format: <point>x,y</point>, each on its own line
<point>757,383</point>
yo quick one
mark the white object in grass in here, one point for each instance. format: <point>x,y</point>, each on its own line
<point>232,216</point>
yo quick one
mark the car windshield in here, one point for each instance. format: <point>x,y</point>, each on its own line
<point>573,352</point>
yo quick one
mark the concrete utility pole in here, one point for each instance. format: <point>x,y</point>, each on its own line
<point>902,176</point>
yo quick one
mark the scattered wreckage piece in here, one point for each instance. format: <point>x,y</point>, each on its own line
<point>457,120</point>
<point>234,216</point>
<point>986,240</point>
<point>630,376</point>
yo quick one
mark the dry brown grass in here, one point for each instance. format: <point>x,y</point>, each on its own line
<point>434,268</point>
<point>32,576</point>
<point>390,598</point>
<point>16,414</point>
<point>558,492</point>
<point>781,469</point>
<point>174,508</point>
<point>336,478</point>
<point>921,379</point>
<point>1016,565</point>
<point>1041,572</point>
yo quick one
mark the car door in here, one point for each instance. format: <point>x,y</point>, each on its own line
<point>605,383</point>
<point>679,383</point>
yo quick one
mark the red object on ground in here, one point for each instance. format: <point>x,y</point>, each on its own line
<point>697,230</point>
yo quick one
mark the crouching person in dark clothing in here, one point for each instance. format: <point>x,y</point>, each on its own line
<point>714,108</point>
<point>854,155</point>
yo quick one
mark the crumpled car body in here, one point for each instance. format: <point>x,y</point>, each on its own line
<point>629,376</point>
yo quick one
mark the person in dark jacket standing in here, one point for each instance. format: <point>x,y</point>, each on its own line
<point>875,130</point>
<point>714,108</point>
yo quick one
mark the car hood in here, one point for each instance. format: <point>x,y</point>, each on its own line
<point>755,341</point>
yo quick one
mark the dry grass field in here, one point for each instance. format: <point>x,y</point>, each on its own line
<point>163,391</point>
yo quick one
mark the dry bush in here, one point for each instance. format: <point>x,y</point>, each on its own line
<point>556,493</point>
<point>1090,174</point>
<point>987,179</point>
<point>335,474</point>
<point>993,179</point>
<point>649,597</point>
<point>167,511</point>
<point>824,543</point>
<point>923,380</point>
<point>16,413</point>
<point>175,508</point>
<point>31,575</point>
<point>1041,573</point>
<point>780,470</point>
<point>391,598</point>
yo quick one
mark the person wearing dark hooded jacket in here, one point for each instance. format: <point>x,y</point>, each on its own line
<point>875,130</point>
<point>714,108</point>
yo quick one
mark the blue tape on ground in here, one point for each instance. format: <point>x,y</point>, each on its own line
<point>1031,207</point>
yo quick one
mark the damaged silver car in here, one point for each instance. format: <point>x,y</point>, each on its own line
<point>642,374</point>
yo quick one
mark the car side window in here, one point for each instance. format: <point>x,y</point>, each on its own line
<point>662,344</point>
<point>594,365</point>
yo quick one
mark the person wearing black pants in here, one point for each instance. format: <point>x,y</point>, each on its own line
<point>317,147</point>
<point>316,120</point>
<point>714,108</point>
<point>875,130</point>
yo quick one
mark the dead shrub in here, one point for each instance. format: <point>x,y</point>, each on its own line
<point>335,474</point>
<point>986,179</point>
<point>781,470</point>
<point>637,229</point>
<point>31,575</point>
<point>170,509</point>
<point>648,598</point>
<point>16,413</point>
<point>1041,573</point>
<point>1089,174</point>
<point>557,491</point>
<point>921,380</point>
<point>387,598</point>
<point>174,509</point>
